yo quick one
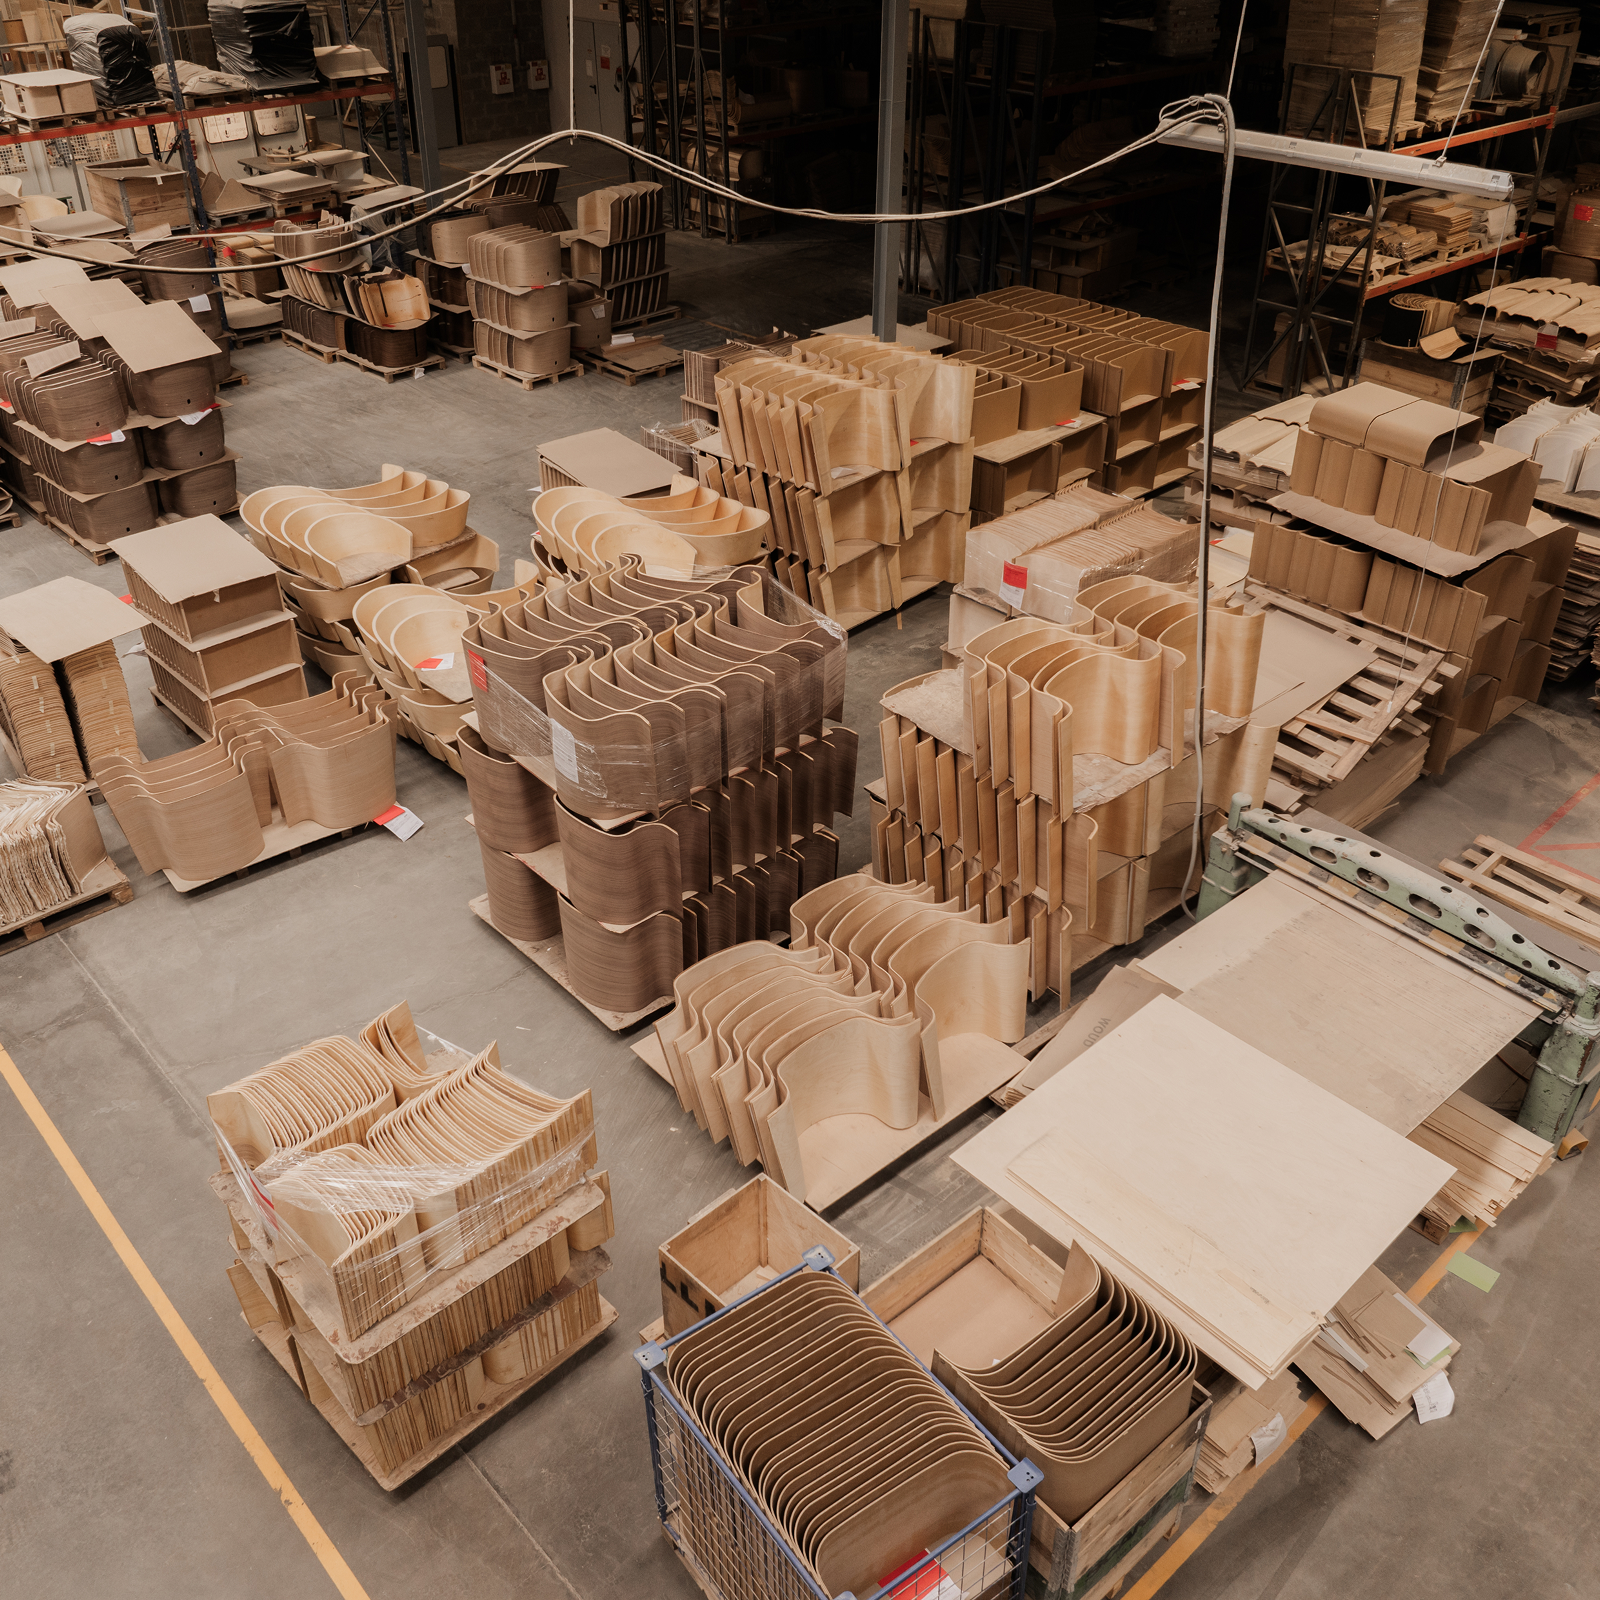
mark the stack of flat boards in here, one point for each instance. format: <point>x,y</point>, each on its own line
<point>36,720</point>
<point>1236,1197</point>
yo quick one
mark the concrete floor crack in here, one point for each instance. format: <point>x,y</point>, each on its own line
<point>527,1533</point>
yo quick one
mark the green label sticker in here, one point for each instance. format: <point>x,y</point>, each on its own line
<point>1478,1275</point>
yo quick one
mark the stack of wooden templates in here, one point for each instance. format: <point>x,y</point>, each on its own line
<point>653,760</point>
<point>888,1016</point>
<point>914,1473</point>
<point>620,245</point>
<point>862,455</point>
<point>518,300</point>
<point>1375,1351</point>
<point>35,720</point>
<point>268,780</point>
<point>431,1241</point>
<point>1145,378</point>
<point>66,630</point>
<point>1495,1160</point>
<point>51,854</point>
<point>1199,1204</point>
<point>1049,778</point>
<point>1237,1413</point>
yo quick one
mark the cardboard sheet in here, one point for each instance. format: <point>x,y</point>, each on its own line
<point>1498,537</point>
<point>155,336</point>
<point>63,617</point>
<point>193,557</point>
<point>1300,664</point>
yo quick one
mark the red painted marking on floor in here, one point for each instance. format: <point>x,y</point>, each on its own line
<point>1559,812</point>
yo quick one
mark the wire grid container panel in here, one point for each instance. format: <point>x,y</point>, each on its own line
<point>13,160</point>
<point>737,1554</point>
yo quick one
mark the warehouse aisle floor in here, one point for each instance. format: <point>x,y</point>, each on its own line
<point>117,1473</point>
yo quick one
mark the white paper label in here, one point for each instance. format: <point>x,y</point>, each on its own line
<point>1269,1436</point>
<point>110,438</point>
<point>199,302</point>
<point>419,372</point>
<point>1434,1399</point>
<point>598,312</point>
<point>400,822</point>
<point>623,338</point>
<point>1431,1342</point>
<point>193,417</point>
<point>565,750</point>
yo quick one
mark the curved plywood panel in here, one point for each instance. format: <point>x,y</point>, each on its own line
<point>349,547</point>
<point>623,971</point>
<point>620,877</point>
<point>512,811</point>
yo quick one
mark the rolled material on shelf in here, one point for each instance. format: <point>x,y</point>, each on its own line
<point>1404,319</point>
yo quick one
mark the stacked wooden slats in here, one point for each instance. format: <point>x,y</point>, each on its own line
<point>1228,1446</point>
<point>1495,1160</point>
<point>35,719</point>
<point>1549,893</point>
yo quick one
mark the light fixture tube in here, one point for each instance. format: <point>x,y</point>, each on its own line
<point>1381,166</point>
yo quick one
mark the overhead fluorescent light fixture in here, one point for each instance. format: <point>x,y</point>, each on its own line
<point>1380,166</point>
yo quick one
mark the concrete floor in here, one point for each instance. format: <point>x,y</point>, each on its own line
<point>119,1475</point>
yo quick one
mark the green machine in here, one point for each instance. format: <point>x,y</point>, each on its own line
<point>1449,920</point>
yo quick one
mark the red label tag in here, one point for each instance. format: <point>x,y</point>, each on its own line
<point>390,814</point>
<point>429,664</point>
<point>477,671</point>
<point>1013,576</point>
<point>1582,213</point>
<point>605,63</point>
<point>1547,337</point>
<point>1067,422</point>
<point>126,599</point>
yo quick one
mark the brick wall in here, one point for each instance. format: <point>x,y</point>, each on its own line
<point>482,31</point>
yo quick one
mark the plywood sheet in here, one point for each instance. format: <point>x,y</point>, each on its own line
<point>1235,1196</point>
<point>1350,1004</point>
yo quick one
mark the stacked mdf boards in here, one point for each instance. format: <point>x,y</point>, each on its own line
<point>1048,781</point>
<point>1145,378</point>
<point>654,770</point>
<point>861,453</point>
<point>1382,48</point>
<point>431,1238</point>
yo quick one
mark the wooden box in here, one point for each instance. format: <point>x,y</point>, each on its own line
<point>138,192</point>
<point>228,658</point>
<point>738,1243</point>
<point>981,1284</point>
<point>1012,473</point>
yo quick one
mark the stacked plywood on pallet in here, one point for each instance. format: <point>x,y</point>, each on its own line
<point>862,456</point>
<point>418,1238</point>
<point>1145,378</point>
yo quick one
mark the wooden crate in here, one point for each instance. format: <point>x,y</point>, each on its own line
<point>984,1268</point>
<point>739,1242</point>
<point>129,190</point>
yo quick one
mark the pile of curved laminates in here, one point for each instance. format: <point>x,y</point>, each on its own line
<point>35,719</point>
<point>861,1462</point>
<point>887,1006</point>
<point>689,531</point>
<point>441,1185</point>
<point>37,871</point>
<point>518,299</point>
<point>201,814</point>
<point>1091,1396</point>
<point>862,454</point>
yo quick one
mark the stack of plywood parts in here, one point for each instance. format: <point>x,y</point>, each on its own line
<point>861,453</point>
<point>1495,1160</point>
<point>1144,377</point>
<point>327,761</point>
<point>35,719</point>
<point>1048,781</point>
<point>916,1472</point>
<point>1238,1415</point>
<point>888,1016</point>
<point>419,1237</point>
<point>50,851</point>
<point>653,760</point>
<point>619,246</point>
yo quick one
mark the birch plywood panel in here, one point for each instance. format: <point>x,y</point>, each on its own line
<point>1240,1202</point>
<point>1345,1001</point>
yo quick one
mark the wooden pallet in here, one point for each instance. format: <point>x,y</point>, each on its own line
<point>71,119</point>
<point>1324,743</point>
<point>328,356</point>
<point>664,314</point>
<point>244,336</point>
<point>525,380</point>
<point>234,376</point>
<point>283,842</point>
<point>631,375</point>
<point>1565,901</point>
<point>550,956</point>
<point>97,553</point>
<point>104,887</point>
<point>462,352</point>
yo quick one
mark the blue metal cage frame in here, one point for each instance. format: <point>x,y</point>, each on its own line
<point>742,1544</point>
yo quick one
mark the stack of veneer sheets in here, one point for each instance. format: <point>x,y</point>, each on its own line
<point>1047,783</point>
<point>1091,1396</point>
<point>1383,44</point>
<point>1495,1160</point>
<point>518,299</point>
<point>892,1012</point>
<point>863,1463</point>
<point>206,812</point>
<point>48,843</point>
<point>1229,1446</point>
<point>620,246</point>
<point>861,454</point>
<point>431,1223</point>
<point>36,720</point>
<point>1452,48</point>
<point>1146,378</point>
<point>650,805</point>
<point>218,630</point>
<point>1376,1349</point>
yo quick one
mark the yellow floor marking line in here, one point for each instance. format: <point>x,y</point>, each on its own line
<point>322,1547</point>
<point>1208,1521</point>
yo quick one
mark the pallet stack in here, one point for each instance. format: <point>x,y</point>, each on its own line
<point>624,839</point>
<point>1380,46</point>
<point>620,248</point>
<point>1146,378</point>
<point>868,485</point>
<point>410,1274</point>
<point>1451,48</point>
<point>520,328</point>
<point>53,861</point>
